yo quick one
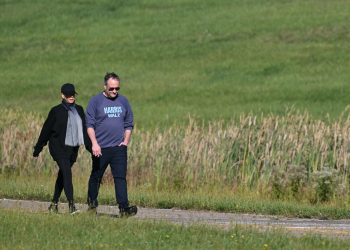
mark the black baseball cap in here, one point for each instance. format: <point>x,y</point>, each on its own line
<point>68,89</point>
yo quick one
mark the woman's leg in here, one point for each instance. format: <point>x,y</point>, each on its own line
<point>64,180</point>
<point>58,187</point>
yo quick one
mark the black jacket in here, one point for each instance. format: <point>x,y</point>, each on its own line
<point>54,131</point>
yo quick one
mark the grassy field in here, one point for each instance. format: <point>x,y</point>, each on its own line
<point>204,57</point>
<point>25,230</point>
<point>211,59</point>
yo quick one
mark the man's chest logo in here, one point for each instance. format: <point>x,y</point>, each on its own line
<point>113,111</point>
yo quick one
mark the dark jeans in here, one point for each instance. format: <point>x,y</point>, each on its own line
<point>64,180</point>
<point>117,158</point>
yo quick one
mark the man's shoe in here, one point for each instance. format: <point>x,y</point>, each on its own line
<point>128,211</point>
<point>53,208</point>
<point>73,210</point>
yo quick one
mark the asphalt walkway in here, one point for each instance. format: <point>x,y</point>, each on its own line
<point>295,225</point>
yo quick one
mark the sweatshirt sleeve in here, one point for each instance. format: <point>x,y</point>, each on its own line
<point>129,117</point>
<point>45,133</point>
<point>90,116</point>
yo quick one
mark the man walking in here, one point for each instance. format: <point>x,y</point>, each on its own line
<point>109,122</point>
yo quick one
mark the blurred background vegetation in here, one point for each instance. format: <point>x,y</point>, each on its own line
<point>204,57</point>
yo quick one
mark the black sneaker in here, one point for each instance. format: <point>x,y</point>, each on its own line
<point>128,211</point>
<point>53,208</point>
<point>73,210</point>
<point>92,210</point>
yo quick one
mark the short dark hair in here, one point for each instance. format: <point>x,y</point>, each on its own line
<point>111,75</point>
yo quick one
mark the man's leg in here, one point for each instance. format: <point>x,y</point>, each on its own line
<point>99,165</point>
<point>119,166</point>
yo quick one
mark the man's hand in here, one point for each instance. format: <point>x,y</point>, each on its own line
<point>35,157</point>
<point>96,150</point>
<point>127,135</point>
<point>123,143</point>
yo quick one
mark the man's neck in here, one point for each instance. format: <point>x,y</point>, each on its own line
<point>104,93</point>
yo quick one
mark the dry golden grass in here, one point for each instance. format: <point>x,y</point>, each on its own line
<point>245,151</point>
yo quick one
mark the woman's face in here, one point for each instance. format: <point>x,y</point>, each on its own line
<point>69,98</point>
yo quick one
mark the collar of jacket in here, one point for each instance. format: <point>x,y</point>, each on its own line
<point>66,105</point>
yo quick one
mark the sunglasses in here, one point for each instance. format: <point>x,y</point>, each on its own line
<point>111,89</point>
<point>69,95</point>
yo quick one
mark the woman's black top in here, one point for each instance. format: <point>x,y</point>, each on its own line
<point>54,131</point>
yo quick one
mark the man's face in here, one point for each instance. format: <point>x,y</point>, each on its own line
<point>69,98</point>
<point>112,88</point>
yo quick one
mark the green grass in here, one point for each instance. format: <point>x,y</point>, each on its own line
<point>208,58</point>
<point>204,57</point>
<point>26,230</point>
<point>41,189</point>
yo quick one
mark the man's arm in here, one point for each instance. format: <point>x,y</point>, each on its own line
<point>127,135</point>
<point>90,118</point>
<point>96,149</point>
<point>128,123</point>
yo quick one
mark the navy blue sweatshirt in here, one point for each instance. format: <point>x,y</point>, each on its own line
<point>109,118</point>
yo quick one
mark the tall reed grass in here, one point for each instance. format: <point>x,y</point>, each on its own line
<point>246,151</point>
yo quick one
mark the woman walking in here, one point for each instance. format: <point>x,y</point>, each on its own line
<point>65,129</point>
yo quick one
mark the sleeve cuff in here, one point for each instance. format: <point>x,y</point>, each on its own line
<point>89,126</point>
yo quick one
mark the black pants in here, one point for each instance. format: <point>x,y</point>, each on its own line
<point>64,180</point>
<point>117,158</point>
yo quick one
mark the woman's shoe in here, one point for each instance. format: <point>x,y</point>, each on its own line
<point>73,210</point>
<point>53,208</point>
<point>92,210</point>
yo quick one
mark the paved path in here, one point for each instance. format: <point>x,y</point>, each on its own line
<point>325,227</point>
